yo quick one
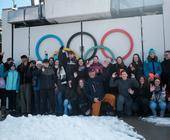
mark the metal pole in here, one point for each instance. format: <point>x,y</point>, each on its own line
<point>82,47</point>
<point>142,38</point>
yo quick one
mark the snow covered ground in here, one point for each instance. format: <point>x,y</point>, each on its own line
<point>158,121</point>
<point>66,128</point>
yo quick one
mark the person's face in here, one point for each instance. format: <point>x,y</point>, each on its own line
<point>152,55</point>
<point>95,60</point>
<point>92,74</point>
<point>157,82</point>
<point>24,60</point>
<point>119,60</point>
<point>135,58</point>
<point>105,63</point>
<point>39,66</point>
<point>71,55</point>
<point>46,65</point>
<point>124,75</point>
<point>167,56</point>
<point>142,80</point>
<point>56,63</point>
<point>51,61</point>
<point>81,83</point>
<point>80,62</point>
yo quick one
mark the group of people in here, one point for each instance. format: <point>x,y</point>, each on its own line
<point>67,85</point>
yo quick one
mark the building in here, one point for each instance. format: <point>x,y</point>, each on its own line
<point>0,35</point>
<point>138,26</point>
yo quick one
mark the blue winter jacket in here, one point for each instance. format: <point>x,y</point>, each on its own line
<point>152,67</point>
<point>12,80</point>
<point>2,70</point>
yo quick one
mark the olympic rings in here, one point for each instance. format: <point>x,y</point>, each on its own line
<point>44,38</point>
<point>118,31</point>
<point>87,34</point>
<point>100,47</point>
<point>94,49</point>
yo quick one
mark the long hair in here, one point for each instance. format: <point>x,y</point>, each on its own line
<point>122,64</point>
<point>139,61</point>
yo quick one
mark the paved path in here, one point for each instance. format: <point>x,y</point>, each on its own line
<point>148,130</point>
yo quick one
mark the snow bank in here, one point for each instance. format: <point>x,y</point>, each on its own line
<point>66,128</point>
<point>158,121</point>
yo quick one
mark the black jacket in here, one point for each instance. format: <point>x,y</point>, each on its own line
<point>47,79</point>
<point>166,72</point>
<point>94,87</point>
<point>25,74</point>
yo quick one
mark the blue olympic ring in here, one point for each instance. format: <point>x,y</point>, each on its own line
<point>44,38</point>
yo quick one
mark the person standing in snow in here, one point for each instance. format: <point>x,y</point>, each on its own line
<point>47,85</point>
<point>12,87</point>
<point>60,86</point>
<point>25,85</point>
<point>2,86</point>
<point>166,76</point>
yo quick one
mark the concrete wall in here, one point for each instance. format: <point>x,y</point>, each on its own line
<point>117,42</point>
<point>6,35</point>
<point>166,13</point>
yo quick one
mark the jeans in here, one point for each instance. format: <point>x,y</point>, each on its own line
<point>124,103</point>
<point>67,107</point>
<point>154,105</point>
<point>59,102</point>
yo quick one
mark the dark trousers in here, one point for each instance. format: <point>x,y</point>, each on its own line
<point>3,97</point>
<point>37,102</point>
<point>124,103</point>
<point>11,94</point>
<point>25,97</point>
<point>47,101</point>
<point>141,106</point>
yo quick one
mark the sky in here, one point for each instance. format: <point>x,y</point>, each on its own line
<point>9,4</point>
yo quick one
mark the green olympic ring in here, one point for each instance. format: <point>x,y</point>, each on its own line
<point>99,47</point>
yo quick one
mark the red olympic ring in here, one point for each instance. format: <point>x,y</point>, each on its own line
<point>118,31</point>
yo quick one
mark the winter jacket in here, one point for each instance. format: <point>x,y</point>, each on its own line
<point>2,70</point>
<point>138,71</point>
<point>60,76</point>
<point>166,72</point>
<point>82,97</point>
<point>12,80</point>
<point>82,72</point>
<point>124,85</point>
<point>35,79</point>
<point>47,79</point>
<point>152,66</point>
<point>158,95</point>
<point>71,68</point>
<point>143,92</point>
<point>94,87</point>
<point>25,74</point>
<point>70,94</point>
